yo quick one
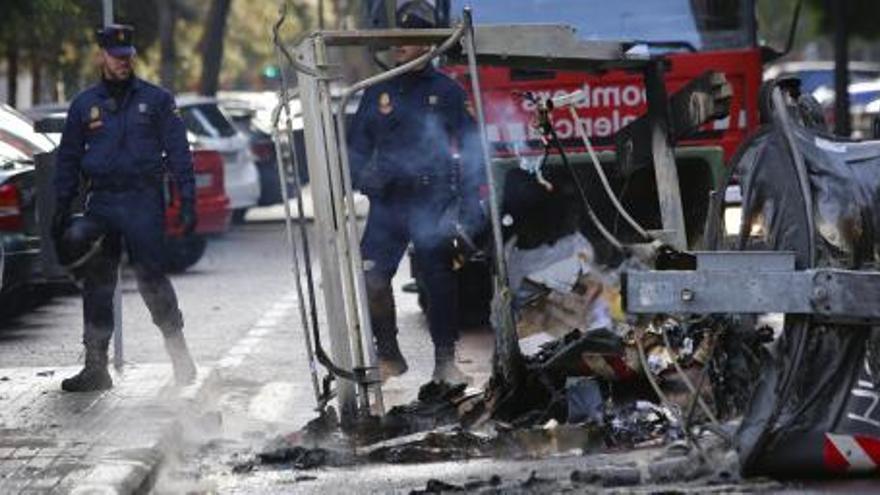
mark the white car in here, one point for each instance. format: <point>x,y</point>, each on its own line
<point>209,128</point>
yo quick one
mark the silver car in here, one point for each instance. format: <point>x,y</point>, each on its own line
<point>209,128</point>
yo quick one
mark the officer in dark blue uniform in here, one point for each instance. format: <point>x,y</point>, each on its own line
<point>121,137</point>
<point>403,143</point>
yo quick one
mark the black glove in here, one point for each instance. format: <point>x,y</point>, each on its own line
<point>187,217</point>
<point>369,181</point>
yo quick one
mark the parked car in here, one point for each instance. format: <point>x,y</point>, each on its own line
<point>17,130</point>
<point>212,202</point>
<point>208,127</point>
<point>243,115</point>
<point>20,262</point>
<point>817,78</point>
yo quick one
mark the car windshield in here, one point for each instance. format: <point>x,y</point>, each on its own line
<point>207,120</point>
<point>701,24</point>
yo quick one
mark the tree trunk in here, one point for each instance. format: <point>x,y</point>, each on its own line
<point>212,56</point>
<point>167,51</point>
<point>12,74</point>
<point>37,83</point>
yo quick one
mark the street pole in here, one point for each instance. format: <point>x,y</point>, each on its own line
<point>108,12</point>
<point>842,126</point>
<point>118,354</point>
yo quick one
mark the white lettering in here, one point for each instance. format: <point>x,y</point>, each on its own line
<point>564,128</point>
<point>608,96</point>
<point>602,127</point>
<point>631,96</point>
<point>865,390</point>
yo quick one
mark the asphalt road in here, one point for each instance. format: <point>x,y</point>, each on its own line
<point>236,281</point>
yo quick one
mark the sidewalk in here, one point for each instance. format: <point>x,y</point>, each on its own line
<point>109,442</point>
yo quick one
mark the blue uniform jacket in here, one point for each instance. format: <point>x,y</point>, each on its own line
<point>409,127</point>
<point>141,138</point>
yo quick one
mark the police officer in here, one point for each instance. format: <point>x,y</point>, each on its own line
<point>120,138</point>
<point>402,143</point>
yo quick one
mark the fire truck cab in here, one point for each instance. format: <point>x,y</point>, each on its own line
<point>692,36</point>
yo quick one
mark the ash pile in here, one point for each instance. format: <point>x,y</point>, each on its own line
<point>586,381</point>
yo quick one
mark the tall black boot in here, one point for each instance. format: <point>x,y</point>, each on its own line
<point>384,322</point>
<point>181,360</point>
<point>391,360</point>
<point>94,376</point>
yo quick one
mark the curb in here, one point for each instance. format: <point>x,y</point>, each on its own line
<point>132,471</point>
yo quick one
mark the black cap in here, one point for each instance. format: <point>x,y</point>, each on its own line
<point>117,39</point>
<point>416,14</point>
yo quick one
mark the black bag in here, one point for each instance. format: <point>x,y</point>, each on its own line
<point>816,408</point>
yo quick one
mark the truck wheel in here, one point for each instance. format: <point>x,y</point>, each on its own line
<point>183,253</point>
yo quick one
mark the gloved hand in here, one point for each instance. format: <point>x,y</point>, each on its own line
<point>369,181</point>
<point>187,217</point>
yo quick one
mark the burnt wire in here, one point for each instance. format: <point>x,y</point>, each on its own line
<point>621,211</point>
<point>614,241</point>
<point>802,323</point>
<point>688,383</point>
<point>673,409</point>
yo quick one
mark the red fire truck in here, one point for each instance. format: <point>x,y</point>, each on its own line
<point>694,36</point>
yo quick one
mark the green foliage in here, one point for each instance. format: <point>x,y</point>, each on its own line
<point>861,18</point>
<point>58,36</point>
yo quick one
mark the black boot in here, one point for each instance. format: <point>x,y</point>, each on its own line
<point>94,376</point>
<point>391,360</point>
<point>384,322</point>
<point>445,369</point>
<point>182,362</point>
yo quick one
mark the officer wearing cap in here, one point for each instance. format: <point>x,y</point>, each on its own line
<point>121,137</point>
<point>402,143</point>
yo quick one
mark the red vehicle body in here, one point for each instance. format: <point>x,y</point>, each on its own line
<point>212,204</point>
<point>614,99</point>
<point>695,36</point>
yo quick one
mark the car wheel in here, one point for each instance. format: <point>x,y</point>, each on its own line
<point>184,252</point>
<point>238,216</point>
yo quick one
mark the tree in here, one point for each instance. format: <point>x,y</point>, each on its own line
<point>167,52</point>
<point>212,47</point>
<point>845,19</point>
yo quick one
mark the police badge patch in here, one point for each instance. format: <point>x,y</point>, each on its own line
<point>385,106</point>
<point>95,118</point>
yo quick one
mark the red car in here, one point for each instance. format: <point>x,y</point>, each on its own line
<point>212,208</point>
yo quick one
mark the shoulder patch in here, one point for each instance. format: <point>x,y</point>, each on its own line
<point>385,106</point>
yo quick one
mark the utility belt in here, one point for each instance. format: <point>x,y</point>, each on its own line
<point>126,183</point>
<point>423,184</point>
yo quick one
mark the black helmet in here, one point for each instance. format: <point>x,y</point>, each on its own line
<point>80,242</point>
<point>416,14</point>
